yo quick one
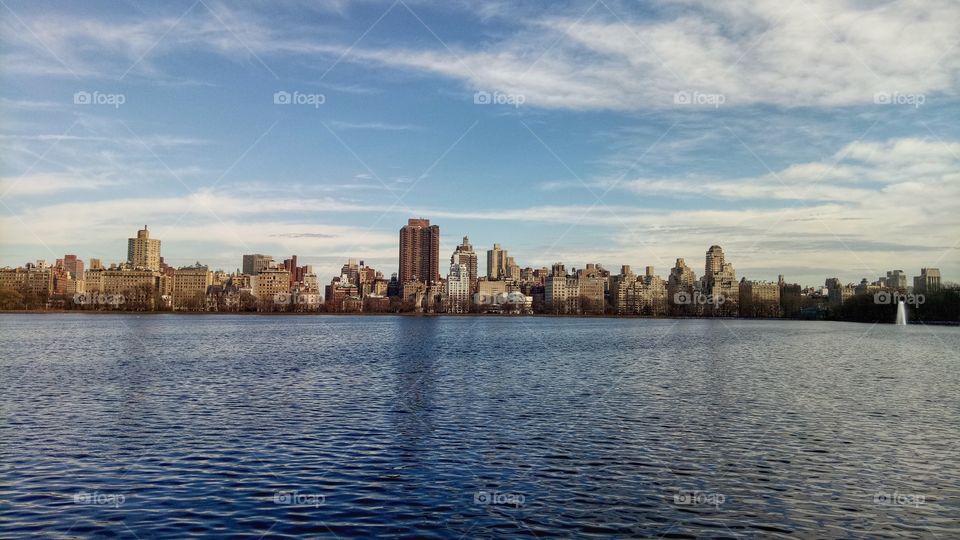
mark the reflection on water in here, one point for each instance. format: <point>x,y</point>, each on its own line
<point>176,426</point>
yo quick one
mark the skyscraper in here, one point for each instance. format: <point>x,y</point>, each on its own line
<point>143,252</point>
<point>714,264</point>
<point>74,266</point>
<point>256,263</point>
<point>420,252</point>
<point>496,263</point>
<point>465,255</point>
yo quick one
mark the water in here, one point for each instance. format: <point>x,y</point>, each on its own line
<point>164,426</point>
<point>901,313</point>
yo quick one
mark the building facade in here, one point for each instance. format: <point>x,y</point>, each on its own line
<point>419,252</point>
<point>143,251</point>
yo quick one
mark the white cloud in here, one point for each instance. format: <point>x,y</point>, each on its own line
<point>804,53</point>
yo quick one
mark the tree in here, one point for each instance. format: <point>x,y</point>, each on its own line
<point>10,299</point>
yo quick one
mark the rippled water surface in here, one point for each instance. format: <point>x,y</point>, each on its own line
<point>173,426</point>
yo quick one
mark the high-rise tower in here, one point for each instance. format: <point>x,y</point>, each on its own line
<point>143,251</point>
<point>420,252</point>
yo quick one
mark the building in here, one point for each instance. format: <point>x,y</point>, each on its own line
<point>33,280</point>
<point>896,280</point>
<point>639,295</point>
<point>591,290</point>
<point>343,296</point>
<point>74,266</point>
<point>561,293</point>
<point>837,293</point>
<point>271,287</point>
<point>143,251</point>
<point>713,265</point>
<point>927,282</point>
<point>256,263</point>
<point>190,284</point>
<point>458,287</point>
<point>465,255</point>
<point>759,299</point>
<point>419,252</point>
<point>496,263</point>
<point>681,285</point>
<point>719,284</point>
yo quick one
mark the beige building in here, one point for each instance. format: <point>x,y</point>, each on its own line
<point>928,281</point>
<point>270,282</point>
<point>34,280</point>
<point>639,295</point>
<point>759,299</point>
<point>143,251</point>
<point>496,263</point>
<point>190,285</point>
<point>561,293</point>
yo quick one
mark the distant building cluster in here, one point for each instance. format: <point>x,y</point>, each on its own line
<point>144,282</point>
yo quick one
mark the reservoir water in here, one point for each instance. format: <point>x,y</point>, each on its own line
<point>177,426</point>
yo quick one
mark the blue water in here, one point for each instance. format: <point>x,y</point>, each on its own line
<point>173,426</point>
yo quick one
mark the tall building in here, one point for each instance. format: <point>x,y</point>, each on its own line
<point>256,263</point>
<point>928,281</point>
<point>143,251</point>
<point>419,252</point>
<point>74,266</point>
<point>714,264</point>
<point>458,288</point>
<point>896,279</point>
<point>496,263</point>
<point>465,255</point>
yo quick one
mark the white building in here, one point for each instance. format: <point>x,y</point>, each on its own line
<point>458,289</point>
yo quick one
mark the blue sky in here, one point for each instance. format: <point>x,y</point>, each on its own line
<point>809,138</point>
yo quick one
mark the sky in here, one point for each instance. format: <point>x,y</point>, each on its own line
<point>808,138</point>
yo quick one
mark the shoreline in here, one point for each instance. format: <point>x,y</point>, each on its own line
<point>438,315</point>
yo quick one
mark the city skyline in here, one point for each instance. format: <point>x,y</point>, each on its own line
<point>595,132</point>
<point>715,262</point>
